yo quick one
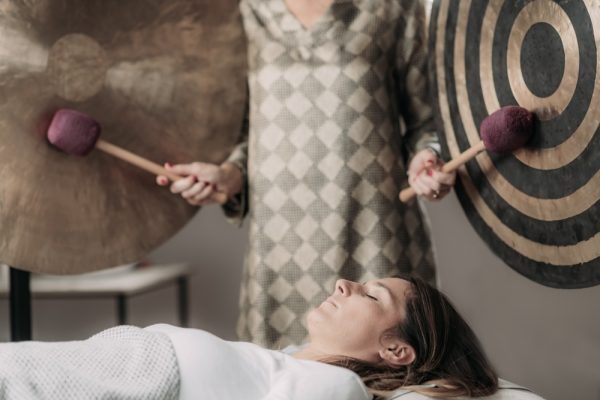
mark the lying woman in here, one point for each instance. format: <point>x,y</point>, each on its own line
<point>366,340</point>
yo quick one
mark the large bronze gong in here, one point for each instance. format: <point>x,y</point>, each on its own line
<point>538,209</point>
<point>166,80</point>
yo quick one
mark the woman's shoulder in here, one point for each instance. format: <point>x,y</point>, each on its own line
<point>182,337</point>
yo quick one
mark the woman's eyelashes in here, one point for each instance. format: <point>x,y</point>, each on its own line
<point>367,294</point>
<point>371,297</point>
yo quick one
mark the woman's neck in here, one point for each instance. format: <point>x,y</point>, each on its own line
<point>309,352</point>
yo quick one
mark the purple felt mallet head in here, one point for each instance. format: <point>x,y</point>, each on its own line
<point>507,129</point>
<point>73,132</point>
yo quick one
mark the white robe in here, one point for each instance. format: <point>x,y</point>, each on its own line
<point>214,369</point>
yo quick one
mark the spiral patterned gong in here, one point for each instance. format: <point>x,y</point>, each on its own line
<point>538,208</point>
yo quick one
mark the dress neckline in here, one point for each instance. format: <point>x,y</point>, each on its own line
<point>320,19</point>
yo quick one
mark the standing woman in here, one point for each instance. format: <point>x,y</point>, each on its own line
<point>325,156</point>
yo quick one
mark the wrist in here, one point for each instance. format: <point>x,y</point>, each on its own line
<point>435,150</point>
<point>232,178</point>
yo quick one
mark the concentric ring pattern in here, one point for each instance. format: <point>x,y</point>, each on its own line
<point>538,208</point>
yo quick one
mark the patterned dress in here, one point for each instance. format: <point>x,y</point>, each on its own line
<point>325,156</point>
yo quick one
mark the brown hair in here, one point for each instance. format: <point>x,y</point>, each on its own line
<point>449,359</point>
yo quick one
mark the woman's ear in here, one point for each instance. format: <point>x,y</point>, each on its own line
<point>396,352</point>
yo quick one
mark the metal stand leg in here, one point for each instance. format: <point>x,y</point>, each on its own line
<point>182,292</point>
<point>122,310</point>
<point>20,305</point>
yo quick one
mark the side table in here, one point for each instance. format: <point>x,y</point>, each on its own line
<point>120,285</point>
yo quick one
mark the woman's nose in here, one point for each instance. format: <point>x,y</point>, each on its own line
<point>343,287</point>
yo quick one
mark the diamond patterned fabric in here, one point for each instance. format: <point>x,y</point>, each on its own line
<point>325,156</point>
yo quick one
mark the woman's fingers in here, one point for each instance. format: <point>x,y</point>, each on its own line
<point>183,169</point>
<point>194,190</point>
<point>203,197</point>
<point>198,183</point>
<point>183,184</point>
<point>162,180</point>
<point>421,189</point>
<point>427,178</point>
<point>432,184</point>
<point>445,178</point>
<point>202,171</point>
<point>418,186</point>
<point>446,182</point>
<point>422,161</point>
<point>189,186</point>
<point>427,191</point>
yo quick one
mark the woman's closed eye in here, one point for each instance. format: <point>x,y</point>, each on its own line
<point>370,296</point>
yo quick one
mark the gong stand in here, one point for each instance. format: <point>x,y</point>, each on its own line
<point>20,305</point>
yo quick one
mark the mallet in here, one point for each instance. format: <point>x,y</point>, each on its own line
<point>77,133</point>
<point>502,132</point>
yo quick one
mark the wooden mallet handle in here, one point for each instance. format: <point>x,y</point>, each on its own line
<point>452,165</point>
<point>148,165</point>
<point>502,132</point>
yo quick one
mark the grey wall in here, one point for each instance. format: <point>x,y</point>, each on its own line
<point>543,338</point>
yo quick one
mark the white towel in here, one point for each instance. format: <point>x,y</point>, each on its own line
<point>125,363</point>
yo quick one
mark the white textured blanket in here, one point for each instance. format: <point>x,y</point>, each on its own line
<point>125,363</point>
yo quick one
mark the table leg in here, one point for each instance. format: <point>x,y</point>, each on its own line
<point>20,305</point>
<point>122,310</point>
<point>182,292</point>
